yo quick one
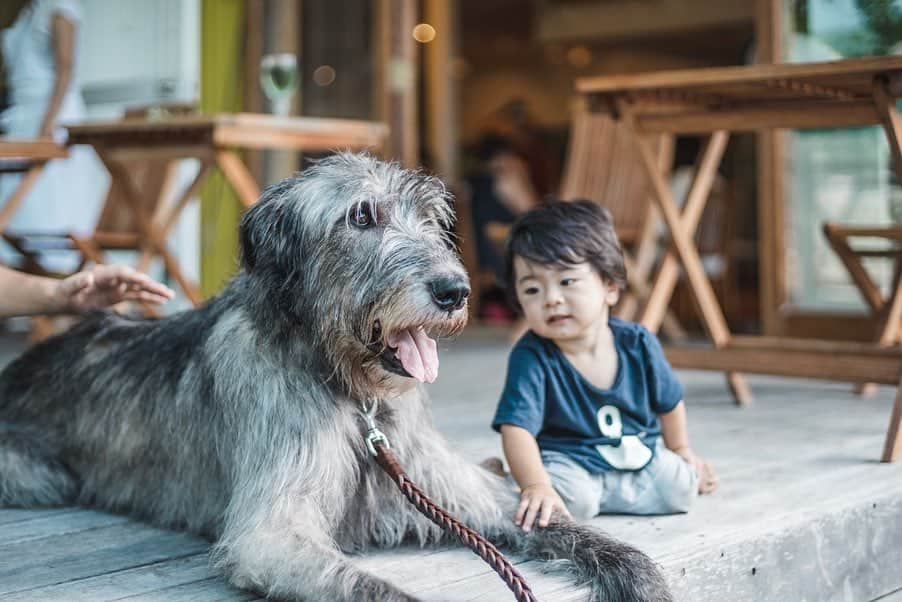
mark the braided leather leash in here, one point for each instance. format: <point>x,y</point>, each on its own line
<point>378,446</point>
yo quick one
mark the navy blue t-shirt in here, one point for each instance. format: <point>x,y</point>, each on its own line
<point>601,429</point>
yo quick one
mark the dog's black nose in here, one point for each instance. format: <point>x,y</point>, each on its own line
<point>450,293</point>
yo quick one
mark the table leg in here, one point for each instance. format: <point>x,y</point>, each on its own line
<point>682,243</point>
<point>238,176</point>
<point>28,180</point>
<point>694,206</point>
<point>892,447</point>
<point>892,126</point>
<point>167,220</point>
<point>148,230</point>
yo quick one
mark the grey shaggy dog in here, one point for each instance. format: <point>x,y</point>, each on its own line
<point>240,421</point>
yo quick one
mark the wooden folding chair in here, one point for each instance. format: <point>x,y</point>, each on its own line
<point>28,157</point>
<point>888,310</point>
<point>603,165</point>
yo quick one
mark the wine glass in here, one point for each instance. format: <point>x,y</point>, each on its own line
<point>279,80</point>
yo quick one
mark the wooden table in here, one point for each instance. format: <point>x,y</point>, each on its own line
<point>713,103</point>
<point>212,140</point>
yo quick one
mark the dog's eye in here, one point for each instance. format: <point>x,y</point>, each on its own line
<point>361,216</point>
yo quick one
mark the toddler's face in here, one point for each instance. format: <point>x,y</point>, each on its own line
<point>562,304</point>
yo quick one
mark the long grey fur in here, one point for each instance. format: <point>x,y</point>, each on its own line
<point>239,420</point>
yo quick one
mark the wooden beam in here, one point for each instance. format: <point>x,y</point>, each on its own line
<point>866,286</point>
<point>399,79</point>
<point>665,281</point>
<point>892,447</point>
<point>441,112</point>
<point>715,80</point>
<point>35,149</point>
<point>619,20</point>
<point>769,22</point>
<point>827,360</point>
<point>751,119</point>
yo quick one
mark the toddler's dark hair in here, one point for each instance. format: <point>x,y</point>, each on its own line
<point>562,234</point>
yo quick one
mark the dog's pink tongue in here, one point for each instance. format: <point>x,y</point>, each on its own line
<point>417,353</point>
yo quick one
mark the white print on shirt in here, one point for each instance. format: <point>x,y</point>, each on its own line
<point>631,454</point>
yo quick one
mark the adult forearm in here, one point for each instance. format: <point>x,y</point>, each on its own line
<point>26,295</point>
<point>523,456</point>
<point>674,429</point>
<point>53,107</point>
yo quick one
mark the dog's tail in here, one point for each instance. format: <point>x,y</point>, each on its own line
<point>30,474</point>
<point>615,571</point>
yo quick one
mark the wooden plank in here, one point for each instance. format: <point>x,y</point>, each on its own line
<point>34,149</point>
<point>15,515</point>
<point>158,580</point>
<point>831,73</point>
<point>805,115</point>
<point>890,232</point>
<point>55,524</point>
<point>57,559</point>
<point>248,130</point>
<point>207,589</point>
<point>863,349</point>
<point>798,359</point>
<point>158,150</point>
<point>299,141</point>
<point>892,447</point>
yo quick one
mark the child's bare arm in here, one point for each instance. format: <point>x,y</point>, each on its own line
<point>538,498</point>
<point>676,438</point>
<point>673,427</point>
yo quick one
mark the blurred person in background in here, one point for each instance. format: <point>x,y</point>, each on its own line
<point>500,189</point>
<point>39,49</point>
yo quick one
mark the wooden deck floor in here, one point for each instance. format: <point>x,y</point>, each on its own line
<point>805,511</point>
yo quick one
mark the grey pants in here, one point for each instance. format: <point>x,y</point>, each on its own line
<point>667,485</point>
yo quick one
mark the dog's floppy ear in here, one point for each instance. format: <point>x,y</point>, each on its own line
<point>264,231</point>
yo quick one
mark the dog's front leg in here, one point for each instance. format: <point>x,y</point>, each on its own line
<point>291,557</point>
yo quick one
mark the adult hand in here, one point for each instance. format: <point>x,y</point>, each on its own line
<point>538,501</point>
<point>106,285</point>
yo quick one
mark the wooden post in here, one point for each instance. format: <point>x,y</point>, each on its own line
<point>397,80</point>
<point>771,246</point>
<point>441,106</point>
<point>892,447</point>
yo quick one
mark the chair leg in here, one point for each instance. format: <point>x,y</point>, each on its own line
<point>18,195</point>
<point>892,447</point>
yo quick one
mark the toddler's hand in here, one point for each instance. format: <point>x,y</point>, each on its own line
<point>707,478</point>
<point>539,500</point>
<point>107,285</point>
